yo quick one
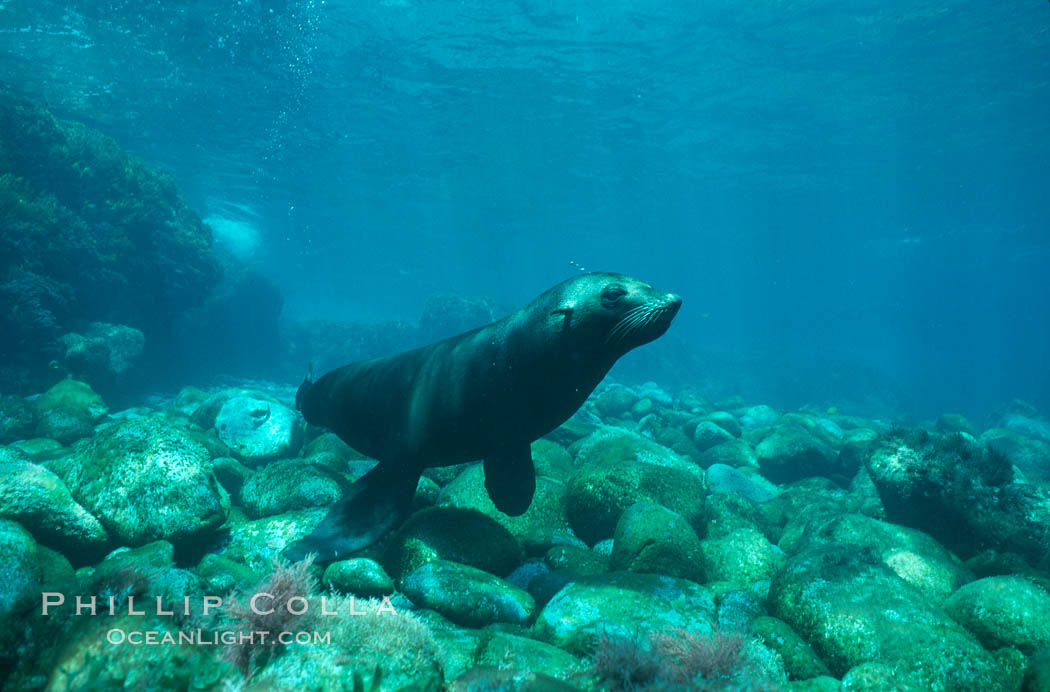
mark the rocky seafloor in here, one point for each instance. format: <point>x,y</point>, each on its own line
<point>673,543</point>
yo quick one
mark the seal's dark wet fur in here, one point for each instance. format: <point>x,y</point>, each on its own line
<point>486,394</point>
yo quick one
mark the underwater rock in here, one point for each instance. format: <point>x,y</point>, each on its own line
<point>220,575</point>
<point>953,423</point>
<point>1003,611</point>
<point>376,650</point>
<point>800,660</point>
<point>742,558</point>
<point>853,609</point>
<point>231,474</point>
<point>258,430</point>
<point>1030,455</point>
<point>759,417</point>
<point>736,453</point>
<point>709,434</point>
<point>68,411</point>
<point>543,523</point>
<point>19,573</point>
<point>725,420</point>
<point>289,484</point>
<point>144,480</point>
<point>16,419</point>
<point>1023,418</point>
<point>614,402</point>
<point>81,212</point>
<point>725,513</point>
<point>527,656</point>
<point>82,658</point>
<point>188,400</point>
<point>258,543</point>
<point>359,576</point>
<point>466,595</point>
<point>459,535</point>
<point>856,446</point>
<point>552,460</point>
<point>104,352</point>
<point>912,555</point>
<point>677,441</point>
<point>330,443</point>
<point>40,501</point>
<point>653,539</point>
<point>620,468</point>
<point>724,479</point>
<point>1037,675</point>
<point>791,453</point>
<point>446,315</point>
<point>622,603</point>
<point>576,561</point>
<point>965,496</point>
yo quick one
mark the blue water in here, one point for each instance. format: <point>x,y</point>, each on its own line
<point>850,196</point>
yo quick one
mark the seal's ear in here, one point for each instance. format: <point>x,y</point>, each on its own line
<point>566,313</point>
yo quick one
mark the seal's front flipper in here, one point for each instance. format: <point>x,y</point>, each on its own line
<point>376,503</point>
<point>511,480</point>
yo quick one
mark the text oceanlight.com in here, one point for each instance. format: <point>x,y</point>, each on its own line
<point>215,637</point>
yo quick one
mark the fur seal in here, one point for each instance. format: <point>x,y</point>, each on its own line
<point>485,394</point>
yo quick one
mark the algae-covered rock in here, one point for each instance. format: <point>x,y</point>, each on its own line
<point>792,452</point>
<point>258,430</point>
<point>97,654</point>
<point>1031,455</point>
<point>104,352</point>
<point>16,419</point>
<point>622,468</point>
<point>221,575</point>
<point>40,501</point>
<point>258,543</point>
<point>382,648</point>
<point>622,603</point>
<point>708,434</point>
<point>522,654</point>
<point>912,555</point>
<point>964,495</point>
<point>359,576</point>
<point>724,479</point>
<point>19,572</point>
<point>289,484</point>
<point>142,563</point>
<point>542,524</point>
<point>653,539</point>
<point>759,416</point>
<point>800,660</point>
<point>466,595</point>
<point>231,474</point>
<point>1004,611</point>
<point>459,535</point>
<point>725,420</point>
<point>736,453</point>
<point>853,610</point>
<point>145,479</point>
<point>68,411</point>
<point>741,558</point>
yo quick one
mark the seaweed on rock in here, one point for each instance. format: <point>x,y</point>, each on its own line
<point>80,217</point>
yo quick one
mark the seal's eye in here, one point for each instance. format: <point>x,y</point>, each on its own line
<point>612,294</point>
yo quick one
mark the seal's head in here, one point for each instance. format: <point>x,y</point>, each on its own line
<point>611,313</point>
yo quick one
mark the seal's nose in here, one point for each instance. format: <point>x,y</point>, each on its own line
<point>673,300</point>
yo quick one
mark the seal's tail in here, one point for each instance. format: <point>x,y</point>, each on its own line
<point>300,393</point>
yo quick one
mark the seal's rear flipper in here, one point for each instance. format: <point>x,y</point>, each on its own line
<point>304,387</point>
<point>511,480</point>
<point>376,503</point>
